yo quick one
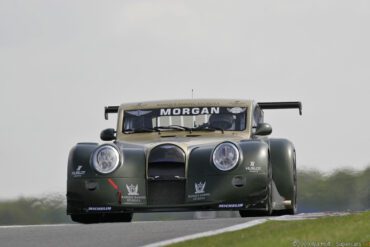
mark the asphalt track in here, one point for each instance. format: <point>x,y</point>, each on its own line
<point>110,235</point>
<point>122,234</point>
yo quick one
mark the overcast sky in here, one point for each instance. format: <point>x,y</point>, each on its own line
<point>61,62</point>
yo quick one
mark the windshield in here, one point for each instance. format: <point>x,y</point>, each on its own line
<point>185,118</point>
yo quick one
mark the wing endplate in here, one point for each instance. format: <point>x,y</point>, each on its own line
<point>110,109</point>
<point>281,105</point>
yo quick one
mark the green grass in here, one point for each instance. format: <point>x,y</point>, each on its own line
<point>333,231</point>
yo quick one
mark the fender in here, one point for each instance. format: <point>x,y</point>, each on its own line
<point>251,151</point>
<point>79,162</point>
<point>282,154</point>
<point>86,187</point>
<point>79,159</point>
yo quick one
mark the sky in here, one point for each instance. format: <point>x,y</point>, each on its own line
<point>61,62</point>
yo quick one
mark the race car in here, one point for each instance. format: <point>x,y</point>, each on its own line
<point>183,155</point>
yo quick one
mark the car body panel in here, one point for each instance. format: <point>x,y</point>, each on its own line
<point>200,185</point>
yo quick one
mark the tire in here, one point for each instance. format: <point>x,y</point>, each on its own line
<point>293,210</point>
<point>243,213</point>
<point>101,218</point>
<point>121,217</point>
<point>86,219</point>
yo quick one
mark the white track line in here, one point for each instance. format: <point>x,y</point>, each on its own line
<point>307,216</point>
<point>208,233</point>
<point>248,224</point>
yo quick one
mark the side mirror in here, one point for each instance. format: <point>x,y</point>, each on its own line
<point>108,135</point>
<point>263,129</point>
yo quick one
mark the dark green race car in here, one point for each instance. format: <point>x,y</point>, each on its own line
<point>183,155</point>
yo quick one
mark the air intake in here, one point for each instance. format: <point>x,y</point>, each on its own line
<point>166,175</point>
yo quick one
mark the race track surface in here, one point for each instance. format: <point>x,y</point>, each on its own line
<point>112,235</point>
<point>128,234</point>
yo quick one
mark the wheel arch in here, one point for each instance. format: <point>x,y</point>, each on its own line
<point>283,161</point>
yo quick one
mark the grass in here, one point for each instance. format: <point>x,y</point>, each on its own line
<point>344,231</point>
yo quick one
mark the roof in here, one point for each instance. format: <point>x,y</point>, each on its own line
<point>186,103</point>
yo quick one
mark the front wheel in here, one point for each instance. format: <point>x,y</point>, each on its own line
<point>101,218</point>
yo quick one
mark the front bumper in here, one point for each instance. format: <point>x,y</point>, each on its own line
<point>105,195</point>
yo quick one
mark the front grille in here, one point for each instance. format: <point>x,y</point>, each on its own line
<point>166,192</point>
<point>166,174</point>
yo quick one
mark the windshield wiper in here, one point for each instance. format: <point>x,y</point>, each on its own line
<point>173,127</point>
<point>141,130</point>
<point>157,129</point>
<point>209,128</point>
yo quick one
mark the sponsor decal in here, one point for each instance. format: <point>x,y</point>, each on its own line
<point>253,168</point>
<point>189,111</point>
<point>133,196</point>
<point>138,113</point>
<point>199,188</point>
<point>236,110</point>
<point>78,173</point>
<point>233,205</point>
<point>133,190</point>
<point>199,193</point>
<point>99,209</point>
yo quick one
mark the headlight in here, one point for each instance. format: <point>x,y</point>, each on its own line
<point>105,159</point>
<point>226,156</point>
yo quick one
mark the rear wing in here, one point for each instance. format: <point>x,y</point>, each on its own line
<point>110,109</point>
<point>281,105</point>
<point>262,105</point>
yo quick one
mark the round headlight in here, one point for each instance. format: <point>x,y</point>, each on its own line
<point>105,159</point>
<point>226,156</point>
